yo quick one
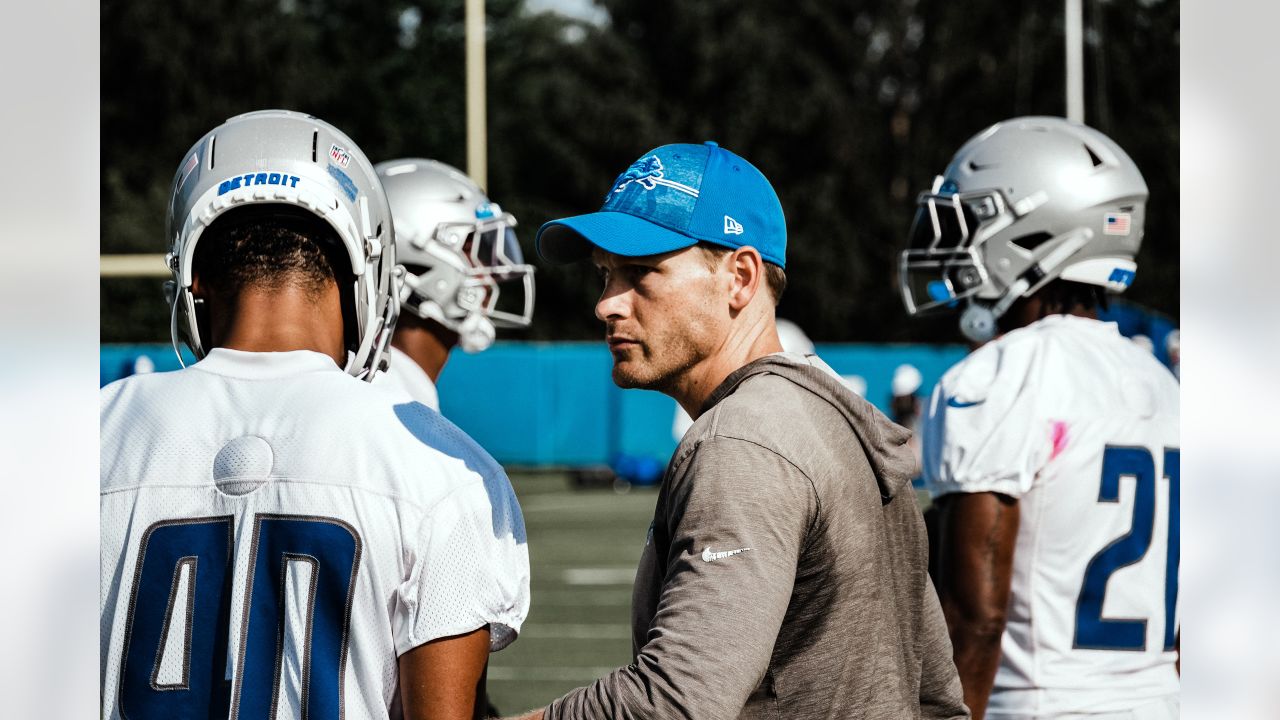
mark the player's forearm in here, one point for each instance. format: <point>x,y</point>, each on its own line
<point>975,611</point>
<point>977,655</point>
<point>979,531</point>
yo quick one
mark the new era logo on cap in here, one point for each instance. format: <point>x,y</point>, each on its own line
<point>671,198</point>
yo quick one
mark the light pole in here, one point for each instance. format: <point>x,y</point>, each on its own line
<point>477,136</point>
<point>1075,60</point>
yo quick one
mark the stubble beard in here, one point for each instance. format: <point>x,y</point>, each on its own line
<point>646,368</point>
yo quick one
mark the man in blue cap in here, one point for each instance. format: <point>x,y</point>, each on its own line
<point>784,572</point>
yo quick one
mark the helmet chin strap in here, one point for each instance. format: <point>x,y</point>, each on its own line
<point>475,333</point>
<point>173,324</point>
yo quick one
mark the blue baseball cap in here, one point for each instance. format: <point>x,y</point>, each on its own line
<point>672,198</point>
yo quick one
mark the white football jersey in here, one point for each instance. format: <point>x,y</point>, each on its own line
<point>1082,426</point>
<point>275,533</point>
<point>408,377</point>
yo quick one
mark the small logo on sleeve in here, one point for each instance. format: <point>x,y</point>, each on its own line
<point>957,403</point>
<point>708,555</point>
<point>731,226</point>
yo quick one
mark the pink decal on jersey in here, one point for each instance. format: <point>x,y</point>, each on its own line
<point>1059,438</point>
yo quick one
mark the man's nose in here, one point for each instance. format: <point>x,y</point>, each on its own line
<point>613,304</point>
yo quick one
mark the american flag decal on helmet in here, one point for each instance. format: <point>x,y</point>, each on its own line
<point>1116,224</point>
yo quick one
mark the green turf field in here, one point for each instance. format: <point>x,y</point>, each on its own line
<point>583,549</point>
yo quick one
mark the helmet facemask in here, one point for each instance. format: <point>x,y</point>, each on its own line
<point>473,278</point>
<point>943,264</point>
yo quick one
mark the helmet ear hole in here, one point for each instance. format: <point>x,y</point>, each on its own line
<point>1032,241</point>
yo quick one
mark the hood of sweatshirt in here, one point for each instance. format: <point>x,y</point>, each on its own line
<point>884,441</point>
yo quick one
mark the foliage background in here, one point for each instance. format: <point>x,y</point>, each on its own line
<point>848,108</point>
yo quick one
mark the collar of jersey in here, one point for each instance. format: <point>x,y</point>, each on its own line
<point>259,365</point>
<point>1105,326</point>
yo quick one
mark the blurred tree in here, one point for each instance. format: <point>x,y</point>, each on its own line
<point>390,75</point>
<point>849,109</point>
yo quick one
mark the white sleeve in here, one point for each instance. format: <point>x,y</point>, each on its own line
<point>983,432</point>
<point>470,569</point>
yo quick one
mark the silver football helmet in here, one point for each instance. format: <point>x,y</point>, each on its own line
<point>463,264</point>
<point>308,166</point>
<point>1022,203</point>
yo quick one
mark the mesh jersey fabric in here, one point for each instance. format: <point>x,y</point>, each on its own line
<point>305,467</point>
<point>1039,414</point>
<point>408,377</point>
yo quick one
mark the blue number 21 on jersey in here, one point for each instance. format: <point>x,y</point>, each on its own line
<point>184,576</point>
<point>1093,630</point>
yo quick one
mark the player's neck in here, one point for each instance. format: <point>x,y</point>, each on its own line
<point>1076,311</point>
<point>281,320</point>
<point>1034,309</point>
<point>425,347</point>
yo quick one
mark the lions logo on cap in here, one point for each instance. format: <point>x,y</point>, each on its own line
<point>648,173</point>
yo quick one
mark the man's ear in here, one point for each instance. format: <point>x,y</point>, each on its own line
<point>197,287</point>
<point>747,268</point>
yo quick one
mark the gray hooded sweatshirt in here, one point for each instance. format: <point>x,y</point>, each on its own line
<point>785,571</point>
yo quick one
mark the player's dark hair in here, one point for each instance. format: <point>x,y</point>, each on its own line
<point>269,249</point>
<point>1062,296</point>
<point>774,276</point>
<point>1056,298</point>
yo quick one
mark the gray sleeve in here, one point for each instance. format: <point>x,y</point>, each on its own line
<point>718,615</point>
<point>941,696</point>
